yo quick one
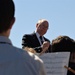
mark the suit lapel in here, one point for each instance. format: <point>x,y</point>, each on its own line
<point>35,39</point>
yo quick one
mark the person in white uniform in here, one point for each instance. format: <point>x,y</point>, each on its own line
<point>13,60</point>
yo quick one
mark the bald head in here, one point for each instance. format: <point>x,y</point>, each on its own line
<point>42,26</point>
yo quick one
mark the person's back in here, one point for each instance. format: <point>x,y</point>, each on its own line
<point>14,61</point>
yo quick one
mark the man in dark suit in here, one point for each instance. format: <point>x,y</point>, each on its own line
<point>36,40</point>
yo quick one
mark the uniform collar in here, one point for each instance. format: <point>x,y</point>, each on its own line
<point>6,40</point>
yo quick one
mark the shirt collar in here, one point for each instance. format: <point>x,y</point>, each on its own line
<point>4,39</point>
<point>37,34</point>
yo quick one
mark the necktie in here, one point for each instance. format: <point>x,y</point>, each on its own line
<point>41,39</point>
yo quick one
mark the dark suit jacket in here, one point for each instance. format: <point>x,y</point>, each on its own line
<point>31,40</point>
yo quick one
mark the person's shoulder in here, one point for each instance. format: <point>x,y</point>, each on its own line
<point>25,35</point>
<point>29,35</point>
<point>16,53</point>
<point>35,57</point>
<point>19,50</point>
<point>26,55</point>
<point>46,39</point>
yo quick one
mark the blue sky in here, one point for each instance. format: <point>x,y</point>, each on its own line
<point>59,13</point>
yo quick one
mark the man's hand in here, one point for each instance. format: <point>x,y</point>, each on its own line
<point>45,46</point>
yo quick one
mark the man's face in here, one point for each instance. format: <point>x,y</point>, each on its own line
<point>42,28</point>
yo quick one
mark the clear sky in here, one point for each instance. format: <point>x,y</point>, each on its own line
<point>59,13</point>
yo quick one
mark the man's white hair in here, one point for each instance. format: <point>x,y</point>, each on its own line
<point>41,20</point>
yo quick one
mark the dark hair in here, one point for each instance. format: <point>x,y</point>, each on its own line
<point>7,11</point>
<point>63,43</point>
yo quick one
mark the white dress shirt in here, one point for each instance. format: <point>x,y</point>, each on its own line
<point>38,35</point>
<point>15,61</point>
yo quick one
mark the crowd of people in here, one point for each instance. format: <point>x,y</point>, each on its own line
<point>16,61</point>
<point>13,60</point>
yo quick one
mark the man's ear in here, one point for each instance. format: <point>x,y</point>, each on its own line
<point>36,25</point>
<point>12,22</point>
